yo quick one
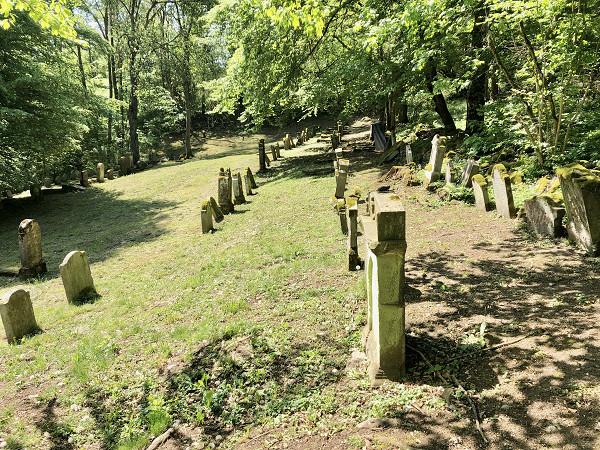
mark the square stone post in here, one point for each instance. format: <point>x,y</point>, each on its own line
<point>342,176</point>
<point>84,180</point>
<point>277,149</point>
<point>248,184</point>
<point>30,249</point>
<point>384,231</point>
<point>503,192</point>
<point>122,166</point>
<point>353,259</point>
<point>262,165</point>
<point>273,153</point>
<point>206,216</point>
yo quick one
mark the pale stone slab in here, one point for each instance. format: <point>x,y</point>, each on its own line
<point>450,172</point>
<point>17,315</point>
<point>544,216</point>
<point>581,193</point>
<point>30,249</point>
<point>409,156</point>
<point>481,191</point>
<point>503,192</point>
<point>206,216</point>
<point>342,177</point>
<point>100,172</point>
<point>433,170</point>
<point>471,169</point>
<point>247,184</point>
<point>77,277</point>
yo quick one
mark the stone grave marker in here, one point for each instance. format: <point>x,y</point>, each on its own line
<point>110,175</point>
<point>503,192</point>
<point>341,210</point>
<point>223,195</point>
<point>238,189</point>
<point>84,180</point>
<point>581,193</point>
<point>384,231</point>
<point>342,176</point>
<point>273,153</point>
<point>299,138</point>
<point>450,173</point>
<point>58,180</point>
<point>17,315</point>
<point>262,155</point>
<point>30,249</point>
<point>74,175</point>
<point>286,142</point>
<point>123,164</point>
<point>35,191</point>
<point>339,153</point>
<point>100,172</point>
<point>247,184</point>
<point>77,277</point>
<point>47,182</point>
<point>409,157</point>
<point>353,259</point>
<point>471,169</point>
<point>251,178</point>
<point>433,171</point>
<point>544,216</point>
<point>129,159</point>
<point>277,150</point>
<point>206,216</point>
<point>216,211</point>
<point>378,136</point>
<point>481,191</point>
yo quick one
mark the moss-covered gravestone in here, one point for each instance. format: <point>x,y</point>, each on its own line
<point>277,150</point>
<point>544,216</point>
<point>17,315</point>
<point>110,174</point>
<point>342,177</point>
<point>206,216</point>
<point>30,249</point>
<point>247,184</point>
<point>450,173</point>
<point>384,231</point>
<point>433,171</point>
<point>77,277</point>
<point>471,169</point>
<point>581,193</point>
<point>238,189</point>
<point>503,192</point>
<point>481,191</point>
<point>216,211</point>
<point>223,195</point>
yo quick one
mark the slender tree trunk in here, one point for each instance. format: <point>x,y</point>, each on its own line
<point>81,69</point>
<point>187,96</point>
<point>494,91</point>
<point>402,112</point>
<point>132,112</point>
<point>438,99</point>
<point>476,91</point>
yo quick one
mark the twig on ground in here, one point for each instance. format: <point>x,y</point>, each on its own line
<point>492,348</point>
<point>160,439</point>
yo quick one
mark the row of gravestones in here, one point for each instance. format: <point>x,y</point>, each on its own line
<point>16,309</point>
<point>581,195</point>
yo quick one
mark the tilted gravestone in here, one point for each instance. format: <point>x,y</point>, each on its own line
<point>251,178</point>
<point>110,174</point>
<point>342,177</point>
<point>503,192</point>
<point>30,249</point>
<point>17,315</point>
<point>273,153</point>
<point>481,192</point>
<point>238,189</point>
<point>77,277</point>
<point>471,169</point>
<point>100,173</point>
<point>544,216</point>
<point>216,211</point>
<point>384,232</point>
<point>206,216</point>
<point>262,155</point>
<point>433,171</point>
<point>581,193</point>
<point>223,195</point>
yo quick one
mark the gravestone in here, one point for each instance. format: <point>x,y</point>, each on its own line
<point>216,211</point>
<point>340,128</point>
<point>378,136</point>
<point>251,178</point>
<point>206,216</point>
<point>110,175</point>
<point>342,176</point>
<point>129,159</point>
<point>409,157</point>
<point>341,209</point>
<point>273,153</point>
<point>123,166</point>
<point>223,195</point>
<point>299,138</point>
<point>247,184</point>
<point>17,315</point>
<point>339,153</point>
<point>384,232</point>
<point>261,155</point>
<point>581,193</point>
<point>30,249</point>
<point>84,180</point>
<point>74,175</point>
<point>433,171</point>
<point>77,277</point>
<point>287,145</point>
<point>544,216</point>
<point>153,157</point>
<point>100,172</point>
<point>503,192</point>
<point>47,182</point>
<point>481,191</point>
<point>353,259</point>
<point>238,189</point>
<point>471,169</point>
<point>450,173</point>
<point>35,191</point>
<point>58,180</point>
<point>277,150</point>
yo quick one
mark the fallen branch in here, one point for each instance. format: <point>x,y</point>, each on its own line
<point>492,348</point>
<point>160,439</point>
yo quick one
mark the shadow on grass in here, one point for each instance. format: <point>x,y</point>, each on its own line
<point>97,221</point>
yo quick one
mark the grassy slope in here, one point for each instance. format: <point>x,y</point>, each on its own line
<point>275,266</point>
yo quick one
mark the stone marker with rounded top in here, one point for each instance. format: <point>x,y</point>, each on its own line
<point>100,172</point>
<point>17,315</point>
<point>471,169</point>
<point>84,180</point>
<point>206,216</point>
<point>544,216</point>
<point>47,182</point>
<point>35,191</point>
<point>433,171</point>
<point>481,191</point>
<point>503,192</point>
<point>30,249</point>
<point>277,149</point>
<point>110,174</point>
<point>77,277</point>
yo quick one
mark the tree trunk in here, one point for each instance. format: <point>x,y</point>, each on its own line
<point>438,99</point>
<point>402,112</point>
<point>132,112</point>
<point>476,91</point>
<point>81,69</point>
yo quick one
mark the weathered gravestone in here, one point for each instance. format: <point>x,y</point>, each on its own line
<point>287,145</point>
<point>273,153</point>
<point>216,211</point>
<point>340,128</point>
<point>378,136</point>
<point>262,155</point>
<point>450,173</point>
<point>17,314</point>
<point>544,216</point>
<point>100,172</point>
<point>277,150</point>
<point>353,259</point>
<point>77,277</point>
<point>384,231</point>
<point>58,180</point>
<point>74,175</point>
<point>409,157</point>
<point>110,174</point>
<point>238,189</point>
<point>47,182</point>
<point>251,178</point>
<point>433,171</point>
<point>341,210</point>
<point>30,249</point>
<point>129,159</point>
<point>581,193</point>
<point>481,191</point>
<point>342,176</point>
<point>223,197</point>
<point>471,169</point>
<point>503,192</point>
<point>84,180</point>
<point>123,164</point>
<point>35,191</point>
<point>206,216</point>
<point>247,184</point>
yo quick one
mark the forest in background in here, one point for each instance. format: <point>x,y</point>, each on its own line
<point>85,83</point>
